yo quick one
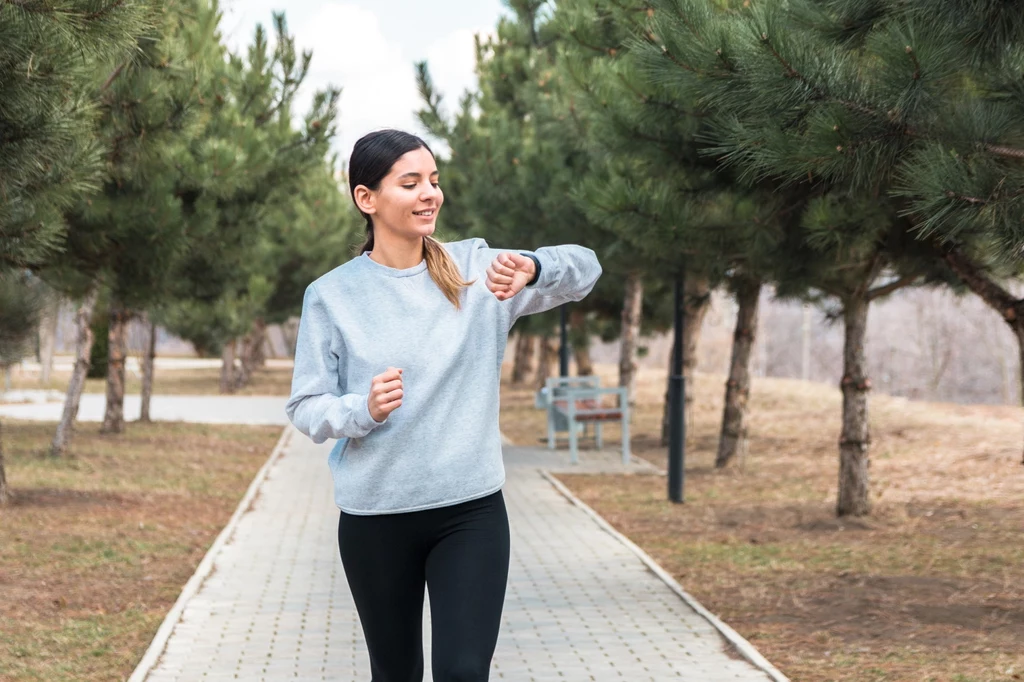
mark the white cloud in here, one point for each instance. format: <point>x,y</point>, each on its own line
<point>352,50</point>
<point>452,64</point>
<point>378,85</point>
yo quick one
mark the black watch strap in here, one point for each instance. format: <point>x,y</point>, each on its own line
<point>536,275</point>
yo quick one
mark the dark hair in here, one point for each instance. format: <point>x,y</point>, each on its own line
<point>372,158</point>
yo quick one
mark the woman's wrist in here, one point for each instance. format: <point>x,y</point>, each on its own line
<point>536,265</point>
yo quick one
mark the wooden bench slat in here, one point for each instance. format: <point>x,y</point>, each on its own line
<point>599,417</point>
<point>589,410</point>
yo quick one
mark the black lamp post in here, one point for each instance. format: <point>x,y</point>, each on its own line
<point>563,348</point>
<point>677,396</point>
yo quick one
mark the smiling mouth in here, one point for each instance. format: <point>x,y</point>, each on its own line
<point>425,214</point>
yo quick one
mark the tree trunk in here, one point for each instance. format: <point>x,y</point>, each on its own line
<point>113,417</point>
<point>632,308</point>
<point>259,345</point>
<point>251,355</point>
<point>580,342</point>
<point>1009,307</point>
<point>584,365</point>
<point>1019,331</point>
<point>696,301</point>
<point>737,388</point>
<point>227,367</point>
<point>523,360</point>
<point>83,347</point>
<point>5,495</point>
<point>290,330</point>
<point>243,373</point>
<point>855,440</point>
<point>47,340</point>
<point>148,360</point>
<point>548,357</point>
<point>805,343</point>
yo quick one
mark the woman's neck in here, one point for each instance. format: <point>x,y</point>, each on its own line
<point>395,253</point>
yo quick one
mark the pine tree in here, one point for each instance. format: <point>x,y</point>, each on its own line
<point>223,285</point>
<point>783,99</point>
<point>130,233</point>
<point>661,193</point>
<point>22,297</point>
<point>516,155</point>
<point>48,155</point>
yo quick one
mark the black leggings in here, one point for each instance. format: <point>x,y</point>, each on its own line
<point>461,552</point>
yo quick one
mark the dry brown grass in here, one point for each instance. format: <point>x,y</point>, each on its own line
<point>202,381</point>
<point>929,587</point>
<point>96,547</point>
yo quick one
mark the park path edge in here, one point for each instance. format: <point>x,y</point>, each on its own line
<point>205,568</point>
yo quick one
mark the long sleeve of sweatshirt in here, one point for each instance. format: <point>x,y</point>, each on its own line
<point>568,273</point>
<point>320,406</point>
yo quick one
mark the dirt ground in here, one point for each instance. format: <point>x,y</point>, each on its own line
<point>930,586</point>
<point>96,547</point>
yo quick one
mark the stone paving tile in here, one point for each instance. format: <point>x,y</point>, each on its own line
<point>579,606</point>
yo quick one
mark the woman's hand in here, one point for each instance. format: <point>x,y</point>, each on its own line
<point>385,394</point>
<point>508,274</point>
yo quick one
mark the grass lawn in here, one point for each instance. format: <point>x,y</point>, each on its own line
<point>929,587</point>
<point>202,381</point>
<point>97,546</point>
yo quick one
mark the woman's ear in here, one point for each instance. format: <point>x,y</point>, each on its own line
<point>366,200</point>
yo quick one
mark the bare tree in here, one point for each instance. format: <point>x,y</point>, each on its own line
<point>83,346</point>
<point>148,361</point>
<point>737,391</point>
<point>117,338</point>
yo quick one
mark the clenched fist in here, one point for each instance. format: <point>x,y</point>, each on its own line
<point>385,394</point>
<point>508,274</point>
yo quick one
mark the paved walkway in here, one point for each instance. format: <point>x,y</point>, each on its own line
<point>580,604</point>
<point>209,409</point>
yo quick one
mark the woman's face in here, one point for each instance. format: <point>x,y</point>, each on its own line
<point>408,200</point>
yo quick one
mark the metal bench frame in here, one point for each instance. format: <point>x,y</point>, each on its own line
<point>578,399</point>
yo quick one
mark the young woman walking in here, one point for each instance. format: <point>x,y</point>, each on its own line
<point>399,358</point>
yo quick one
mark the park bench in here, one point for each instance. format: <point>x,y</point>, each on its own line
<point>577,400</point>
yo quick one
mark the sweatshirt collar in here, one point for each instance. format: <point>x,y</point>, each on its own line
<point>393,272</point>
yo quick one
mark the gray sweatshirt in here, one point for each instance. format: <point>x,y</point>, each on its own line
<point>442,446</point>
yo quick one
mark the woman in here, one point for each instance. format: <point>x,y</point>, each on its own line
<point>399,357</point>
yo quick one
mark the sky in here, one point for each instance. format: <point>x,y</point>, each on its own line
<point>368,48</point>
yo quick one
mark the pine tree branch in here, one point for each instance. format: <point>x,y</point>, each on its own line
<point>605,50</point>
<point>490,165</point>
<point>870,273</point>
<point>999,299</point>
<point>917,64</point>
<point>820,92</point>
<point>645,7</point>
<point>647,99</point>
<point>887,289</point>
<point>106,10</point>
<point>112,77</point>
<point>29,6</point>
<point>652,40</point>
<point>966,199</point>
<point>1003,150</point>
